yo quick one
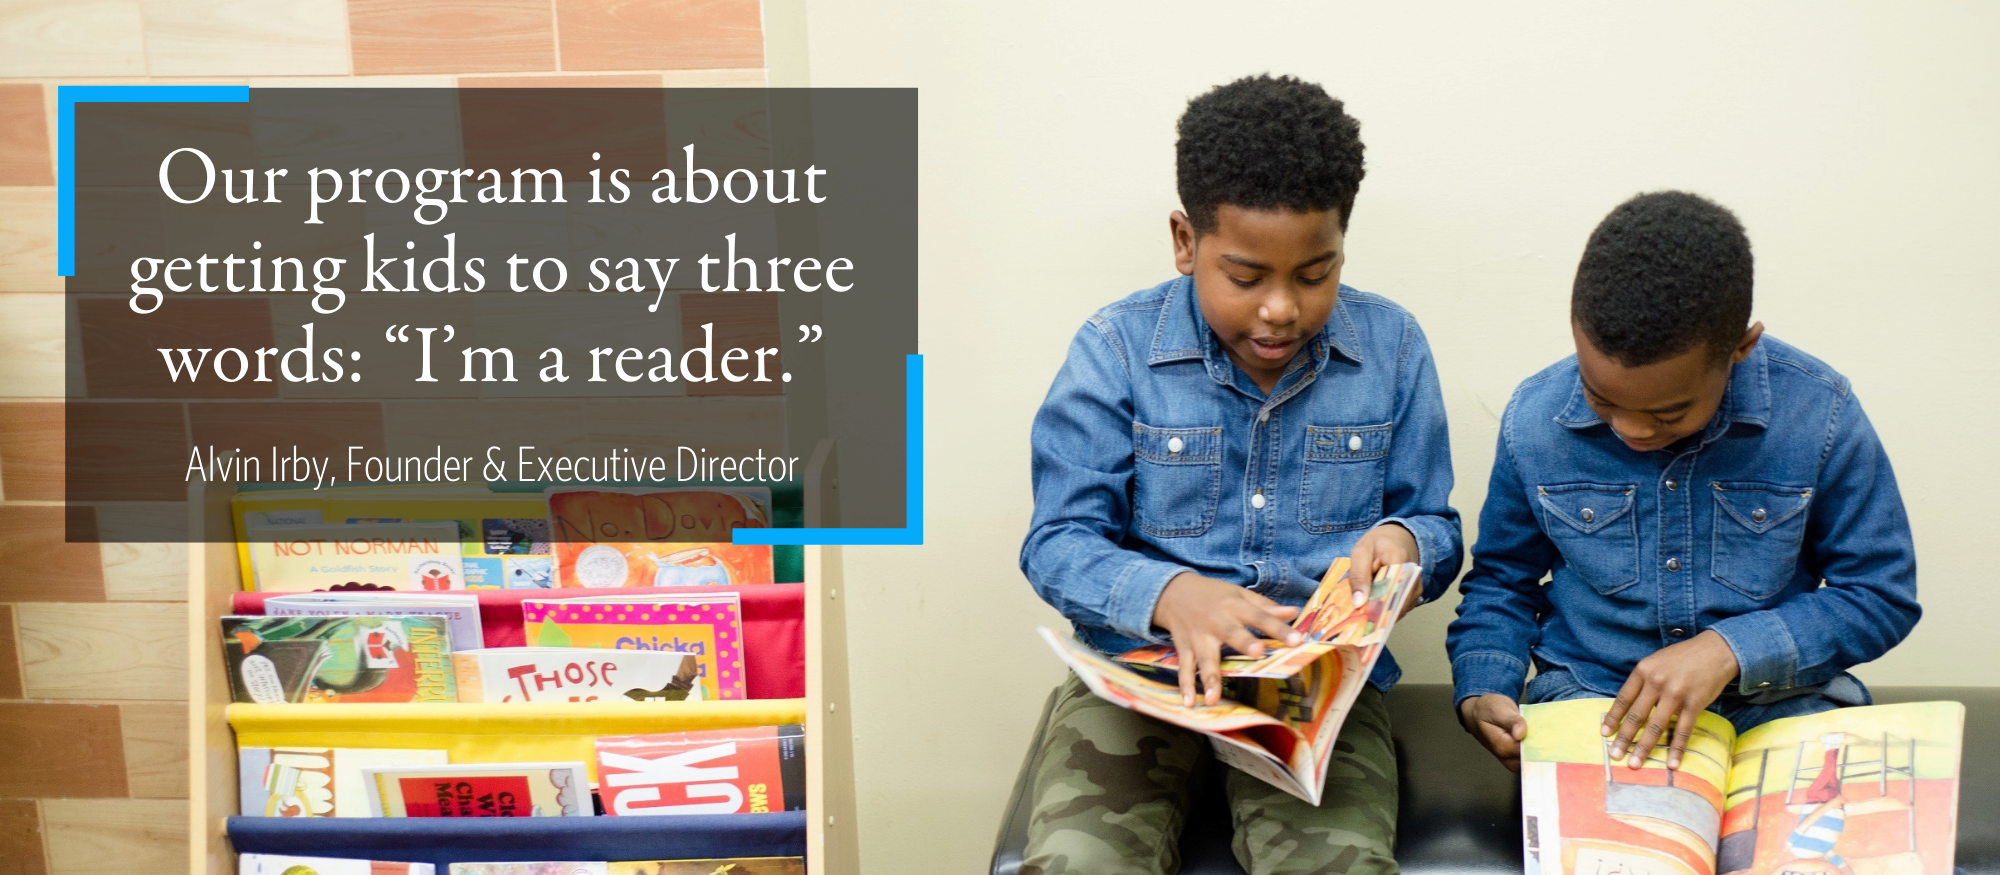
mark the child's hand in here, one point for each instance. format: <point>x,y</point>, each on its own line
<point>1675,684</point>
<point>1496,721</point>
<point>1203,614</point>
<point>1383,546</point>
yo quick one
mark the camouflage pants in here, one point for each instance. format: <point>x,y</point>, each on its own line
<point>1112,790</point>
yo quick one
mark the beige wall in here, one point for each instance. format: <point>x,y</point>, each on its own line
<point>1858,143</point>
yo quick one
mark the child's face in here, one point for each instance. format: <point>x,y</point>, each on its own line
<point>1266,281</point>
<point>1651,406</point>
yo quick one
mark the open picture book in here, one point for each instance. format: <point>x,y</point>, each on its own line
<point>1854,791</point>
<point>1282,711</point>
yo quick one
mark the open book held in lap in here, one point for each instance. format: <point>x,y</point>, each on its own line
<point>1286,707</point>
<point>1853,791</point>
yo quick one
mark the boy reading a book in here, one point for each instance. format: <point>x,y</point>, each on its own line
<point>1209,448</point>
<point>1717,517</point>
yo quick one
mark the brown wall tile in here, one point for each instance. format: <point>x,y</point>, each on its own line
<point>24,136</point>
<point>21,838</point>
<point>121,349</point>
<point>561,130</point>
<point>61,750</point>
<point>748,321</point>
<point>36,565</point>
<point>108,651</point>
<point>10,659</point>
<point>156,750</point>
<point>660,34</point>
<point>31,450</point>
<point>122,451</point>
<point>451,36</point>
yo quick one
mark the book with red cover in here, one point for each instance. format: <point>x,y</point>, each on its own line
<point>713,771</point>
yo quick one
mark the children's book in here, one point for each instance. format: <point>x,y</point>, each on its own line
<point>422,557</point>
<point>711,771</point>
<point>461,612</point>
<point>1283,711</point>
<point>316,782</point>
<point>658,537</point>
<point>575,674</point>
<point>503,536</point>
<point>731,866</point>
<point>1854,791</point>
<point>707,625</point>
<point>540,868</point>
<point>338,659</point>
<point>285,864</point>
<point>479,790</point>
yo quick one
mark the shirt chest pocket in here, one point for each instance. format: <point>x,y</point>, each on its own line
<point>1342,486</point>
<point>1176,479</point>
<point>1759,530</point>
<point>1593,526</point>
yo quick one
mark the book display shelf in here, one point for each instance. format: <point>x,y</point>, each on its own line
<point>796,670</point>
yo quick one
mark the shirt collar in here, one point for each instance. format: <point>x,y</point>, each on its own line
<point>1747,399</point>
<point>1182,334</point>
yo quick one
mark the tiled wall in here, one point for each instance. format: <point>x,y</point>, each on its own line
<point>93,664</point>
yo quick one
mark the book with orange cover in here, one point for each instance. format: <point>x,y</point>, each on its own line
<point>605,537</point>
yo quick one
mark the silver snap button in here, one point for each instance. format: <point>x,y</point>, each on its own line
<point>1677,633</point>
<point>1174,445</point>
<point>1758,515</point>
<point>1765,684</point>
<point>1354,444</point>
<point>1263,416</point>
<point>1673,485</point>
<point>1673,564</point>
<point>1257,501</point>
<point>1588,514</point>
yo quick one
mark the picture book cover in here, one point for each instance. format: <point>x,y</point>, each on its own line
<point>503,536</point>
<point>285,864</point>
<point>575,674</point>
<point>1855,791</point>
<point>538,868</point>
<point>658,537</point>
<point>422,557</point>
<point>708,625</point>
<point>1283,713</point>
<point>315,782</point>
<point>479,790</point>
<point>713,771</point>
<point>338,659</point>
<point>461,611</point>
<point>731,866</point>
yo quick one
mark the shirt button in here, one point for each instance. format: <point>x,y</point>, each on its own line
<point>1174,445</point>
<point>1673,564</point>
<point>1257,501</point>
<point>1673,485</point>
<point>1757,516</point>
<point>1354,444</point>
<point>1677,633</point>
<point>1588,514</point>
<point>1263,416</point>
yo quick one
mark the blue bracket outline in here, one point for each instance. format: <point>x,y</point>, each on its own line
<point>912,532</point>
<point>67,97</point>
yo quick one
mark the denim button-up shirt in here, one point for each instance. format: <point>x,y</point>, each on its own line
<point>1155,455</point>
<point>1732,529</point>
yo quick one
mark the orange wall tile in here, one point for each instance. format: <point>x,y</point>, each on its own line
<point>10,662</point>
<point>451,36</point>
<point>21,838</point>
<point>24,136</point>
<point>660,34</point>
<point>35,563</point>
<point>31,450</point>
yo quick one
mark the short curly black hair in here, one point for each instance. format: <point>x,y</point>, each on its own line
<point>1267,143</point>
<point>1662,273</point>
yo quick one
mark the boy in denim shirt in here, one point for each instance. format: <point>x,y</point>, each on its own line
<point>1719,518</point>
<point>1210,447</point>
